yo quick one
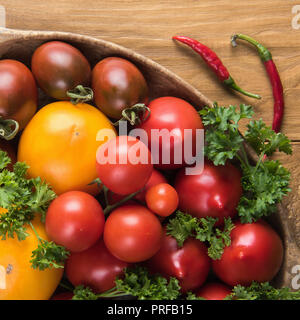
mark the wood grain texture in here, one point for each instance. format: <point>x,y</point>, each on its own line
<point>147,27</point>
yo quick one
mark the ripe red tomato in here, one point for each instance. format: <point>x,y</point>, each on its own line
<point>155,178</point>
<point>117,84</point>
<point>213,291</point>
<point>18,92</point>
<point>215,192</point>
<point>95,268</point>
<point>75,220</point>
<point>59,67</point>
<point>162,199</point>
<point>176,115</point>
<point>255,254</point>
<point>189,264</point>
<point>132,233</point>
<point>124,165</point>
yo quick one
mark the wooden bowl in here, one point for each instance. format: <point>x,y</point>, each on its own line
<point>20,45</point>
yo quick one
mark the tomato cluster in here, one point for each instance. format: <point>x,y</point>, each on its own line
<point>113,214</point>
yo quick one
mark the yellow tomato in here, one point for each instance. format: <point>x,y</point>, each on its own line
<point>18,280</point>
<point>60,145</point>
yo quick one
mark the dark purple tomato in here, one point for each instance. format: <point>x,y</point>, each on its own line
<point>18,92</point>
<point>59,67</point>
<point>117,84</point>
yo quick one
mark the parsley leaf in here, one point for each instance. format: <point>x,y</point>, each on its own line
<point>139,283</point>
<point>262,291</point>
<point>183,226</point>
<point>84,293</point>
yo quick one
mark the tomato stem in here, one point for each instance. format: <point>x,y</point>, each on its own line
<point>111,207</point>
<point>8,128</point>
<point>80,94</point>
<point>136,114</point>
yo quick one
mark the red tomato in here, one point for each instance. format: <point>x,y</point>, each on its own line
<point>63,296</point>
<point>59,67</point>
<point>189,264</point>
<point>215,192</point>
<point>75,220</point>
<point>124,165</point>
<point>95,268</point>
<point>255,254</point>
<point>11,152</point>
<point>132,233</point>
<point>213,291</point>
<point>117,85</point>
<point>18,92</point>
<point>162,199</point>
<point>175,115</point>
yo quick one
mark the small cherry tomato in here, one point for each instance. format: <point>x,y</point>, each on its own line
<point>59,67</point>
<point>117,84</point>
<point>213,291</point>
<point>75,220</point>
<point>124,165</point>
<point>95,267</point>
<point>190,264</point>
<point>255,254</point>
<point>132,233</point>
<point>18,92</point>
<point>215,192</point>
<point>162,199</point>
<point>155,178</point>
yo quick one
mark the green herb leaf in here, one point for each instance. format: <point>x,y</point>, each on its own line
<point>139,283</point>
<point>191,296</point>
<point>184,226</point>
<point>264,140</point>
<point>262,291</point>
<point>48,255</point>
<point>84,293</point>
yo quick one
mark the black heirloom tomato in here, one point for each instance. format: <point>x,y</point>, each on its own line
<point>59,67</point>
<point>117,84</point>
<point>18,92</point>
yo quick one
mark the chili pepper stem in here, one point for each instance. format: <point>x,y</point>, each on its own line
<point>232,84</point>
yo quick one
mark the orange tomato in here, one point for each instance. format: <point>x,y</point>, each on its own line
<point>18,280</point>
<point>60,144</point>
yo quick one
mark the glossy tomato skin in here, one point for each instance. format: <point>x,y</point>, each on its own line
<point>155,178</point>
<point>132,233</point>
<point>18,92</point>
<point>60,145</point>
<point>75,220</point>
<point>21,281</point>
<point>9,148</point>
<point>172,114</point>
<point>95,267</point>
<point>213,291</point>
<point>190,264</point>
<point>117,84</point>
<point>215,192</point>
<point>255,254</point>
<point>59,67</point>
<point>124,177</point>
<point>162,199</point>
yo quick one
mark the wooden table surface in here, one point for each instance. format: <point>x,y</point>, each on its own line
<point>147,26</point>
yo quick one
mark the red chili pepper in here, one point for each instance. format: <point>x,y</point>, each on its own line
<point>274,77</point>
<point>214,62</point>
